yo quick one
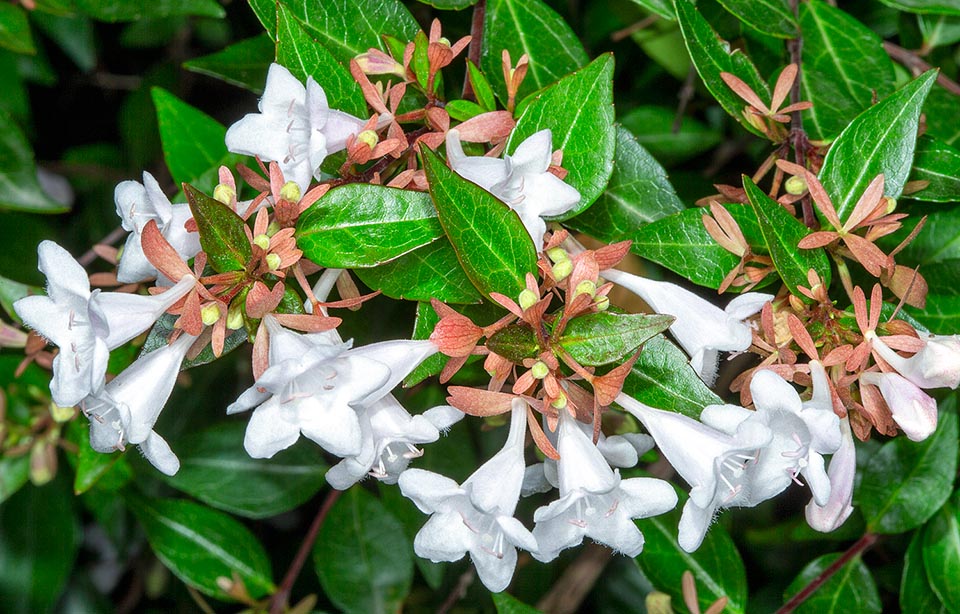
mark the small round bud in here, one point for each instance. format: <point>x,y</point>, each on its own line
<point>273,228</point>
<point>235,316</point>
<point>528,299</point>
<point>444,41</point>
<point>795,185</point>
<point>262,241</point>
<point>539,370</point>
<point>61,414</point>
<point>603,303</point>
<point>585,287</point>
<point>891,204</point>
<point>557,255</point>
<point>369,137</point>
<point>273,261</point>
<point>224,194</point>
<point>290,192</point>
<point>210,314</point>
<point>562,269</point>
<point>560,402</point>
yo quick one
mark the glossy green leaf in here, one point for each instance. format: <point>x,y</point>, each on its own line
<point>916,594</point>
<point>851,589</point>
<point>215,469</point>
<point>508,604</point>
<point>936,249</point>
<point>880,140</point>
<point>362,557</point>
<point>533,28</point>
<point>221,231</point>
<point>516,343</point>
<point>602,338</point>
<point>482,89</point>
<point>449,5</point>
<point>663,378</point>
<point>578,110</point>
<point>91,466</point>
<point>639,192</point>
<point>681,243</point>
<point>711,55</point>
<point>14,473</point>
<point>661,8</point>
<point>299,50</point>
<point>906,482</point>
<point>192,140</point>
<point>939,30</point>
<point>423,326</point>
<point>19,187</point>
<point>939,7</point>
<point>133,10</point>
<point>15,29</point>
<point>716,566</point>
<point>772,17</point>
<point>782,232</point>
<point>653,128</point>
<point>488,237</point>
<point>199,545</point>
<point>844,68</point>
<point>244,63</point>
<point>941,554</point>
<point>939,164</point>
<point>431,271</point>
<point>362,225</point>
<point>411,518</point>
<point>940,112</point>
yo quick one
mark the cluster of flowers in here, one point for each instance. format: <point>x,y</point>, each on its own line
<point>313,383</point>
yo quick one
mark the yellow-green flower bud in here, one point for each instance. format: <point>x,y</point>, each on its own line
<point>224,193</point>
<point>273,261</point>
<point>235,316</point>
<point>262,241</point>
<point>557,254</point>
<point>273,228</point>
<point>290,192</point>
<point>795,185</point>
<point>539,369</point>
<point>528,299</point>
<point>60,414</point>
<point>210,314</point>
<point>562,269</point>
<point>603,302</point>
<point>560,402</point>
<point>585,287</point>
<point>444,41</point>
<point>891,204</point>
<point>369,137</point>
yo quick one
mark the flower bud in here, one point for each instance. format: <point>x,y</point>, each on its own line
<point>369,137</point>
<point>274,261</point>
<point>262,241</point>
<point>891,204</point>
<point>557,254</point>
<point>273,228</point>
<point>562,269</point>
<point>290,192</point>
<point>235,316</point>
<point>443,40</point>
<point>61,414</point>
<point>560,402</point>
<point>603,303</point>
<point>528,299</point>
<point>795,185</point>
<point>209,314</point>
<point>224,194</point>
<point>585,287</point>
<point>539,370</point>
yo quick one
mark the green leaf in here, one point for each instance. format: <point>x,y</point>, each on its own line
<point>159,336</point>
<point>602,338</point>
<point>431,271</point>
<point>73,34</point>
<point>851,589</point>
<point>941,7</point>
<point>92,466</point>
<point>906,482</point>
<point>939,164</point>
<point>772,17</point>
<point>14,473</point>
<point>663,378</point>
<point>844,68</point>
<point>361,225</point>
<point>15,30</point>
<point>133,10</point>
<point>578,110</point>
<point>681,243</point>
<point>449,5</point>
<point>515,342</point>
<point>299,50</point>
<point>215,469</point>
<point>711,55</point>
<point>938,30</point>
<point>11,292</point>
<point>481,87</point>
<point>879,140</point>
<point>653,128</point>
<point>638,193</point>
<point>488,237</point>
<point>782,232</point>
<point>916,594</point>
<point>533,28</point>
<point>199,545</point>
<point>244,64</point>
<point>19,188</point>
<point>508,604</point>
<point>192,140</point>
<point>941,554</point>
<point>941,313</point>
<point>221,231</point>
<point>361,556</point>
<point>940,111</point>
<point>39,537</point>
<point>716,566</point>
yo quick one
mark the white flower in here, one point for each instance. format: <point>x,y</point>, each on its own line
<point>842,471</point>
<point>521,180</point>
<point>137,204</point>
<point>476,517</point>
<point>701,328</point>
<point>295,127</point>
<point>126,409</point>
<point>86,325</point>
<point>914,411</point>
<point>594,501</point>
<point>389,438</point>
<point>936,365</point>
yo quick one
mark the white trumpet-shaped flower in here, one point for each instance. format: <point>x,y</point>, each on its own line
<point>936,365</point>
<point>914,411</point>
<point>86,324</point>
<point>521,180</point>
<point>701,328</point>
<point>125,410</point>
<point>476,517</point>
<point>842,471</point>
<point>139,203</point>
<point>295,127</point>
<point>594,501</point>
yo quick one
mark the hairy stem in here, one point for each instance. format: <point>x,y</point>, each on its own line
<point>476,43</point>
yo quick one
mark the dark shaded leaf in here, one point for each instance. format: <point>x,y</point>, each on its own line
<point>243,64</point>
<point>939,164</point>
<point>851,589</point>
<point>221,231</point>
<point>772,17</point>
